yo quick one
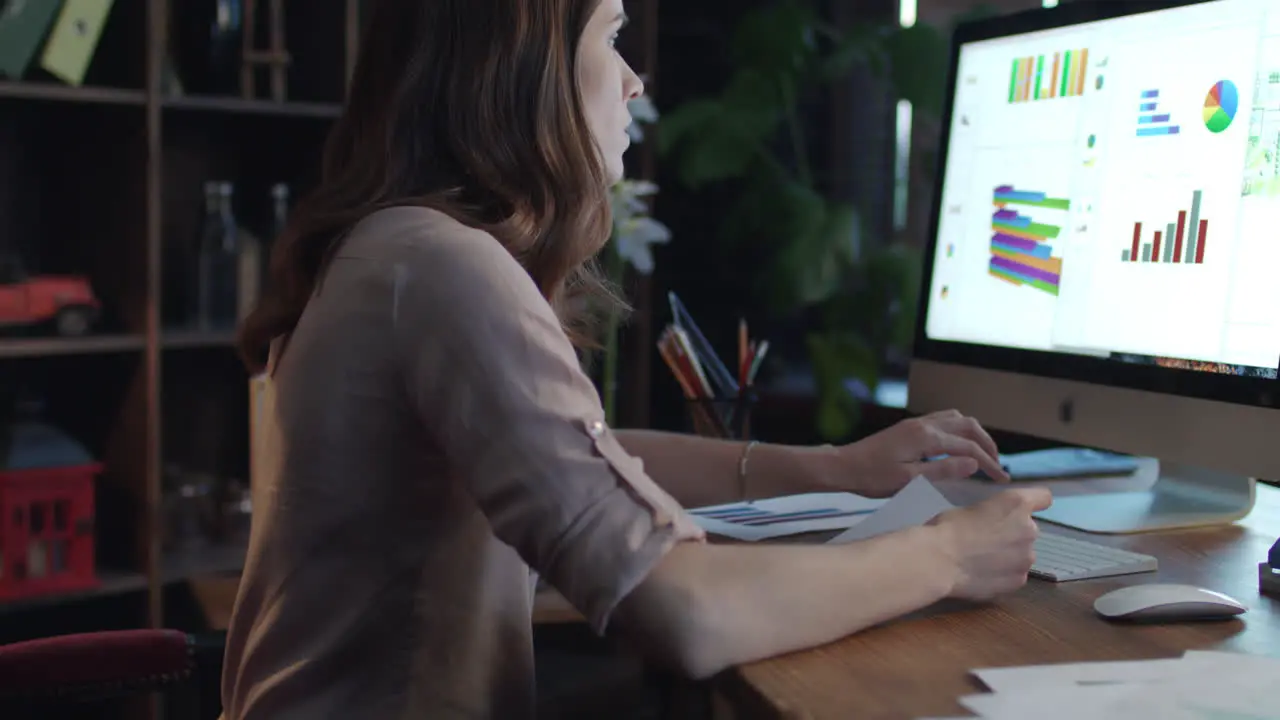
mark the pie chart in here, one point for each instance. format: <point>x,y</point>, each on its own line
<point>1220,106</point>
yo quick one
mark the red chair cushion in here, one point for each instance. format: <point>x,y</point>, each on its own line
<point>68,664</point>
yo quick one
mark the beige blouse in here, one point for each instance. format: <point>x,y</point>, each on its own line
<point>429,438</point>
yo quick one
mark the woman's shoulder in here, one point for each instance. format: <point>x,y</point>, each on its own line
<point>424,254</point>
<point>422,236</point>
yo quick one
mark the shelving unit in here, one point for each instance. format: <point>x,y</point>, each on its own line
<point>105,180</point>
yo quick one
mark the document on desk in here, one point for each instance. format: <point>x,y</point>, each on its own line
<point>1192,664</point>
<point>915,504</point>
<point>1012,679</point>
<point>1192,699</point>
<point>789,515</point>
<point>1198,686</point>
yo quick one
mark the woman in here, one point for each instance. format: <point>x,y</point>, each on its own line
<point>431,438</point>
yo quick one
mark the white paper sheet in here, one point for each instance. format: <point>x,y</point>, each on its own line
<point>1016,679</point>
<point>1198,686</point>
<point>1203,698</point>
<point>915,504</point>
<point>1252,665</point>
<point>1083,701</point>
<point>1193,664</point>
<point>789,515</point>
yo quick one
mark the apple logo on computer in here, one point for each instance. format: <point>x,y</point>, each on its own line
<point>1067,411</point>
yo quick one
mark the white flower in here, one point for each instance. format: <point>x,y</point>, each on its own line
<point>634,232</point>
<point>642,112</point>
<point>628,197</point>
<point>636,238</point>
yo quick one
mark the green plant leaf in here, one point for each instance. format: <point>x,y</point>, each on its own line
<point>753,103</point>
<point>801,219</point>
<point>776,39</point>
<point>716,157</point>
<point>676,125</point>
<point>918,58</point>
<point>720,138</point>
<point>835,359</point>
<point>980,12</point>
<point>760,212</point>
<point>860,45</point>
<point>820,252</point>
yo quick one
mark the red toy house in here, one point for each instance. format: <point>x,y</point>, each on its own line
<point>46,513</point>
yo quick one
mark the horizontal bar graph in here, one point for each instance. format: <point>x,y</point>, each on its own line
<point>1020,251</point>
<point>1189,227</point>
<point>1152,122</point>
<point>1045,77</point>
<point>755,516</point>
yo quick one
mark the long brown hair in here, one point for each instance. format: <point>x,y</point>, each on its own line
<point>471,107</point>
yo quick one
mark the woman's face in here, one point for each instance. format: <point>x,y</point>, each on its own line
<point>607,83</point>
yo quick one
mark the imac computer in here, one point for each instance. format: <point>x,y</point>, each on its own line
<point>1104,263</point>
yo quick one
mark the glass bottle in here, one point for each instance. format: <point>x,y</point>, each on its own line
<point>279,218</point>
<point>226,43</point>
<point>219,261</point>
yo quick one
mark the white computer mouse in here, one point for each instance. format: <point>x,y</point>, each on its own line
<point>1166,602</point>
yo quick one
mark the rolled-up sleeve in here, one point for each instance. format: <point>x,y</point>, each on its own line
<point>499,387</point>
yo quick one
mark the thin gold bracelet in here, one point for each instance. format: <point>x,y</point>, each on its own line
<point>742,467</point>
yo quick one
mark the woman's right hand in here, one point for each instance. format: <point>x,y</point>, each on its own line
<point>992,542</point>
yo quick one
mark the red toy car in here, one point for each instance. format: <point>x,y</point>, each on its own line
<point>66,301</point>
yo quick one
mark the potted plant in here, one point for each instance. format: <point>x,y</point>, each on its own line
<point>750,135</point>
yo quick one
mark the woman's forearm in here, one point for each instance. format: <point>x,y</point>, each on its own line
<point>709,607</point>
<point>699,471</point>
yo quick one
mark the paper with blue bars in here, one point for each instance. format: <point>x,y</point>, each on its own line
<point>788,515</point>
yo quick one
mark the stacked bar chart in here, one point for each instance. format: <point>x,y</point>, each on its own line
<point>1020,249</point>
<point>1179,242</point>
<point>1152,121</point>
<point>1044,77</point>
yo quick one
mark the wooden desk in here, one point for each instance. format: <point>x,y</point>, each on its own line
<point>919,666</point>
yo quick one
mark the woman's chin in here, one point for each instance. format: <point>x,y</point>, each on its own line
<point>614,171</point>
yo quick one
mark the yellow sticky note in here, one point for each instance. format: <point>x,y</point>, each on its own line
<point>75,35</point>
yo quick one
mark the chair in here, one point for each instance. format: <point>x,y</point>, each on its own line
<point>55,676</point>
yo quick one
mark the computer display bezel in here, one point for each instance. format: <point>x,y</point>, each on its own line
<point>1255,391</point>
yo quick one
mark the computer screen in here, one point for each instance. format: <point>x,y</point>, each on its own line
<point>1112,189</point>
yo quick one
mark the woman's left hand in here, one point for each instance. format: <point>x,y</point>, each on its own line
<point>882,464</point>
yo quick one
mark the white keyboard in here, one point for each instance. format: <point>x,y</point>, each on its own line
<point>1060,558</point>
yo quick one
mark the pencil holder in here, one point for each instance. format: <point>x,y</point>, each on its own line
<point>725,418</point>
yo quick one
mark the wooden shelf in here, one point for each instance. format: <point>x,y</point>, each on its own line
<point>187,339</point>
<point>112,583</point>
<point>242,106</point>
<point>178,566</point>
<point>88,345</point>
<point>70,94</point>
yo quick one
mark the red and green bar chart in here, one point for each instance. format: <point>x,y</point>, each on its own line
<point>1180,242</point>
<point>1021,253</point>
<point>1044,77</point>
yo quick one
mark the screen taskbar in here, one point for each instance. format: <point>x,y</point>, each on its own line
<point>1218,368</point>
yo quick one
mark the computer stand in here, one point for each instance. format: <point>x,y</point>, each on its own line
<point>1181,497</point>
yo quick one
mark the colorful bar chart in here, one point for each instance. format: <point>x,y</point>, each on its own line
<point>1020,249</point>
<point>757,516</point>
<point>1183,240</point>
<point>1152,122</point>
<point>1044,77</point>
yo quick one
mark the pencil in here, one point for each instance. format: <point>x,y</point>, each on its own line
<point>685,347</point>
<point>742,351</point>
<point>756,361</point>
<point>664,349</point>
